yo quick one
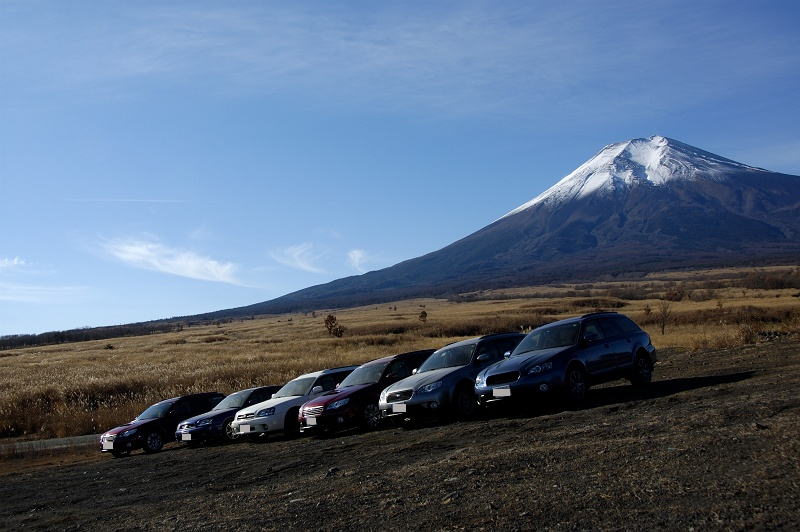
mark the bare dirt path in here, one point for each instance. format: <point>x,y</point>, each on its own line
<point>713,443</point>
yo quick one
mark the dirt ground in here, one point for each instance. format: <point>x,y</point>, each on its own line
<point>714,443</point>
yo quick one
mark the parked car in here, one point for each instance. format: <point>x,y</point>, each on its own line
<point>569,356</point>
<point>156,425</point>
<point>280,413</point>
<point>445,382</point>
<point>216,423</point>
<point>355,401</point>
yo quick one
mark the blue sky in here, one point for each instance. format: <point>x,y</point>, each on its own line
<point>170,158</point>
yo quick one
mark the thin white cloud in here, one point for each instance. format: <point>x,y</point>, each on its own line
<point>21,293</point>
<point>357,258</point>
<point>299,257</point>
<point>15,262</point>
<point>152,255</point>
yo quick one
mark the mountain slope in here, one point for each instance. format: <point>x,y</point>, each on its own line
<point>635,206</point>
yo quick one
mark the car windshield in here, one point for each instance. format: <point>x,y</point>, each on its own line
<point>366,374</point>
<point>155,411</point>
<point>448,358</point>
<point>234,400</point>
<point>549,337</point>
<point>295,387</point>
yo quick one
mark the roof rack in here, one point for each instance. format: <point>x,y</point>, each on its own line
<point>340,367</point>
<point>499,334</point>
<point>599,313</point>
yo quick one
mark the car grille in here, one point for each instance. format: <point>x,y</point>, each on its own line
<point>502,378</point>
<point>313,410</point>
<point>110,437</point>
<point>249,415</point>
<point>402,395</point>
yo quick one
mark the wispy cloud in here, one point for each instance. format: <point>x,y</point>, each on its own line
<point>152,255</point>
<point>22,293</point>
<point>15,262</point>
<point>299,257</point>
<point>357,258</point>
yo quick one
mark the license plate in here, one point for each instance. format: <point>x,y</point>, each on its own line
<point>108,445</point>
<point>244,428</point>
<point>502,392</point>
<point>311,421</point>
<point>399,408</point>
<point>186,437</point>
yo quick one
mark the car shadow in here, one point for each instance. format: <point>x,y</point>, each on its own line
<point>614,395</point>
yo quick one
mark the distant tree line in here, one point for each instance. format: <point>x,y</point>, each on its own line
<point>86,333</point>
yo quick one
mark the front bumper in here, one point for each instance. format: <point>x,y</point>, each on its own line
<point>525,387</point>
<point>329,421</point>
<point>201,433</point>
<point>120,444</point>
<point>258,425</point>
<point>418,405</point>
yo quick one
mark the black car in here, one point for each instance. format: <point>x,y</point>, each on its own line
<point>216,423</point>
<point>156,425</point>
<point>445,382</point>
<point>569,356</point>
<point>354,402</point>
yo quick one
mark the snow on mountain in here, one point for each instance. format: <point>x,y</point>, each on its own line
<point>653,161</point>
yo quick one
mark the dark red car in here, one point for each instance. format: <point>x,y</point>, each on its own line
<point>354,403</point>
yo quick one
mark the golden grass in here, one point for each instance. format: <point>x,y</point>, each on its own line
<point>84,388</point>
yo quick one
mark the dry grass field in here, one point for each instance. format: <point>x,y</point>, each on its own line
<point>84,388</point>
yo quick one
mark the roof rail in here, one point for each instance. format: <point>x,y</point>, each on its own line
<point>599,313</point>
<point>499,334</point>
<point>340,367</point>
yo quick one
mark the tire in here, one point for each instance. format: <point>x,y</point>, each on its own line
<point>464,403</point>
<point>153,442</point>
<point>642,372</point>
<point>371,417</point>
<point>291,425</point>
<point>229,434</point>
<point>576,385</point>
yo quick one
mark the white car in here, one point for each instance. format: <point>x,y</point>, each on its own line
<point>279,413</point>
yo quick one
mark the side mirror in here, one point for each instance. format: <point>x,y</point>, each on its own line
<point>507,354</point>
<point>590,337</point>
<point>414,371</point>
<point>316,390</point>
<point>484,357</point>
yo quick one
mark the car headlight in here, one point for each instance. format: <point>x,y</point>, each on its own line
<point>382,398</point>
<point>338,404</point>
<point>430,387</point>
<point>480,380</point>
<point>127,433</point>
<point>265,412</point>
<point>205,421</point>
<point>539,368</point>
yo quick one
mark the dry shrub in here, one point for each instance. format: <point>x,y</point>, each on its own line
<point>597,302</point>
<point>175,341</point>
<point>215,338</point>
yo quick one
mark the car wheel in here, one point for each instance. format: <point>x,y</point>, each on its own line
<point>464,403</point>
<point>230,434</point>
<point>372,416</point>
<point>153,442</point>
<point>291,425</point>
<point>642,372</point>
<point>576,385</point>
<point>119,454</point>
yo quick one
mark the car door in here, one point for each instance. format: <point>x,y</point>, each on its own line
<point>596,352</point>
<point>180,410</point>
<point>328,382</point>
<point>396,370</point>
<point>620,345</point>
<point>492,348</point>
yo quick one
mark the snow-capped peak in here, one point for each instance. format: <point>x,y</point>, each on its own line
<point>654,161</point>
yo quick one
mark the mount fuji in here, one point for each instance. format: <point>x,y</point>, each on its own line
<point>636,206</point>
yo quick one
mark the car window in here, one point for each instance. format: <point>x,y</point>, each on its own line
<point>626,324</point>
<point>258,396</point>
<point>181,410</point>
<point>491,348</point>
<point>399,369</point>
<point>593,327</point>
<point>507,345</point>
<point>328,382</point>
<point>610,328</point>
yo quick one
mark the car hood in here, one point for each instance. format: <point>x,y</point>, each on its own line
<point>213,414</point>
<point>517,363</point>
<point>340,393</point>
<point>269,403</point>
<point>131,425</point>
<point>421,379</point>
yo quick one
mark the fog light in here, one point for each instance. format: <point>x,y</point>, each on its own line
<point>434,404</point>
<point>543,387</point>
<point>340,419</point>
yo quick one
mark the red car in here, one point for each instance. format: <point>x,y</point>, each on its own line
<point>354,403</point>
